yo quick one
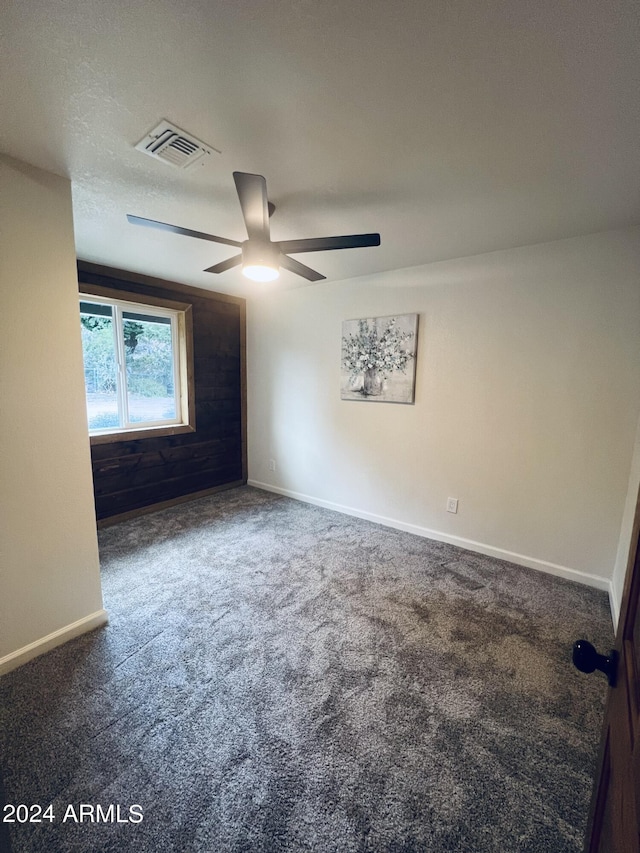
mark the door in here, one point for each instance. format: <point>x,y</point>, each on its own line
<point>614,820</point>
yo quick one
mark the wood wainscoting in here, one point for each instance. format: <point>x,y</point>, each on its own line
<point>132,474</point>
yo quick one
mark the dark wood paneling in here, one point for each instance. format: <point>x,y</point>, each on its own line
<point>137,473</point>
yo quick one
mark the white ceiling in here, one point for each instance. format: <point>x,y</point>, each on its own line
<point>452,127</point>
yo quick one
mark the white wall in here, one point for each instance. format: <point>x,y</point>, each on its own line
<point>50,581</point>
<point>527,401</point>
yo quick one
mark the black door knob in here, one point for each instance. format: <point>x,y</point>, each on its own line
<point>586,659</point>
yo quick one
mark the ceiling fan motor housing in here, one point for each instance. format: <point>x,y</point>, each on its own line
<point>256,253</point>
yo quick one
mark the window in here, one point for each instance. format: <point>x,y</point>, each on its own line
<point>135,366</point>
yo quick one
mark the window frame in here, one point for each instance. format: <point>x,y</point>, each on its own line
<point>183,344</point>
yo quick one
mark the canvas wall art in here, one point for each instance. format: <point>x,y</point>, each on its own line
<point>379,359</point>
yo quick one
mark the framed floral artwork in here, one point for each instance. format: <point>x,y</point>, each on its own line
<point>379,359</point>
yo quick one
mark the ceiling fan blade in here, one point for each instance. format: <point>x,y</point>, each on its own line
<point>225,265</point>
<point>252,192</point>
<point>176,229</point>
<point>300,269</point>
<point>323,244</point>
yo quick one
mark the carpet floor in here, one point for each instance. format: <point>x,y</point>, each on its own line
<point>279,677</point>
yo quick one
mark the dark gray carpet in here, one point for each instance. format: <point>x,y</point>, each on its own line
<point>279,677</point>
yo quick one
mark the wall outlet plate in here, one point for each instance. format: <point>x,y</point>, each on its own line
<point>452,504</point>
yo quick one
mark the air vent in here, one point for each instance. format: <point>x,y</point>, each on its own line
<point>168,143</point>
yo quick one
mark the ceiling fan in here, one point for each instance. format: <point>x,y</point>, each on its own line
<point>261,258</point>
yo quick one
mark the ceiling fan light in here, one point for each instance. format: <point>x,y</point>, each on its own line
<point>258,272</point>
<point>260,260</point>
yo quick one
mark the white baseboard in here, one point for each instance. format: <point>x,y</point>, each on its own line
<point>57,638</point>
<point>479,547</point>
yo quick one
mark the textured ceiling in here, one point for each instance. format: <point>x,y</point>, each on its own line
<point>452,128</point>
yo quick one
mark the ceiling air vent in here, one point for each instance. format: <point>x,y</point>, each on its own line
<point>168,143</point>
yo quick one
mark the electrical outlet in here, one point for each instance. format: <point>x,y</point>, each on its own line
<point>452,504</point>
<point>272,464</point>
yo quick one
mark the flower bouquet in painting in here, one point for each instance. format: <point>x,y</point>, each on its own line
<point>378,358</point>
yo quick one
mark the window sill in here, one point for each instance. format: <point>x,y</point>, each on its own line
<point>144,432</point>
